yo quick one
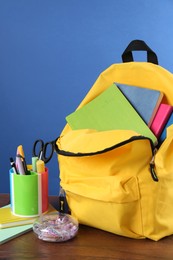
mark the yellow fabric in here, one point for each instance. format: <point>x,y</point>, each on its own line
<point>114,190</point>
<point>142,74</point>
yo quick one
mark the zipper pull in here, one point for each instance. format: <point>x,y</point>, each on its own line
<point>63,206</point>
<point>152,167</point>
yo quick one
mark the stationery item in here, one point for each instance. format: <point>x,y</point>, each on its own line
<point>13,165</point>
<point>41,149</point>
<point>161,119</point>
<point>146,101</point>
<point>34,161</point>
<point>163,134</point>
<point>8,219</point>
<point>20,166</point>
<point>20,153</point>
<point>40,166</point>
<point>29,193</point>
<point>110,110</point>
<point>56,227</point>
<point>10,233</point>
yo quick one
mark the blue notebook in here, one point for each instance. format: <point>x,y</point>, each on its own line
<point>145,101</point>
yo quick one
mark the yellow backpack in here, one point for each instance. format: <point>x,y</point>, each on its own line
<point>117,180</point>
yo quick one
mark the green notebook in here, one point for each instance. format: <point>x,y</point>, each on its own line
<point>7,234</point>
<point>14,226</point>
<point>110,110</point>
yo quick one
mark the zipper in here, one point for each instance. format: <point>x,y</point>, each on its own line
<point>152,166</point>
<point>62,205</point>
<point>132,139</point>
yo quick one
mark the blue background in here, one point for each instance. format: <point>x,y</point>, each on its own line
<point>51,53</point>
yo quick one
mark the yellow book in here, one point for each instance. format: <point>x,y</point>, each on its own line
<point>7,219</point>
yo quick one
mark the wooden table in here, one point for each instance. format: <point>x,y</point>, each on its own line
<point>90,243</point>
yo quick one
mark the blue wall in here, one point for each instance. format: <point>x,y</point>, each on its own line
<point>52,51</point>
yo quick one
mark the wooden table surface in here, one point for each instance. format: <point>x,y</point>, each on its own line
<point>90,243</point>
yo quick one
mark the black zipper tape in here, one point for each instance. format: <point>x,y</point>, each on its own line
<point>132,139</point>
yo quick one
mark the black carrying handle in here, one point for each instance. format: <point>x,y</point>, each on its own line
<point>139,45</point>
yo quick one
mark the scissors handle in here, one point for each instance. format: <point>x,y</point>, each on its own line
<point>44,156</point>
<point>39,143</point>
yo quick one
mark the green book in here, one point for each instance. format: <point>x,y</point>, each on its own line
<point>110,110</point>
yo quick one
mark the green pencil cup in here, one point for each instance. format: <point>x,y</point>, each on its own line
<point>29,193</point>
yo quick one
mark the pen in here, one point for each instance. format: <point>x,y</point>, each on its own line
<point>13,165</point>
<point>40,166</point>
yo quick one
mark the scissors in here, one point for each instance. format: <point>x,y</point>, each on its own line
<point>40,150</point>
